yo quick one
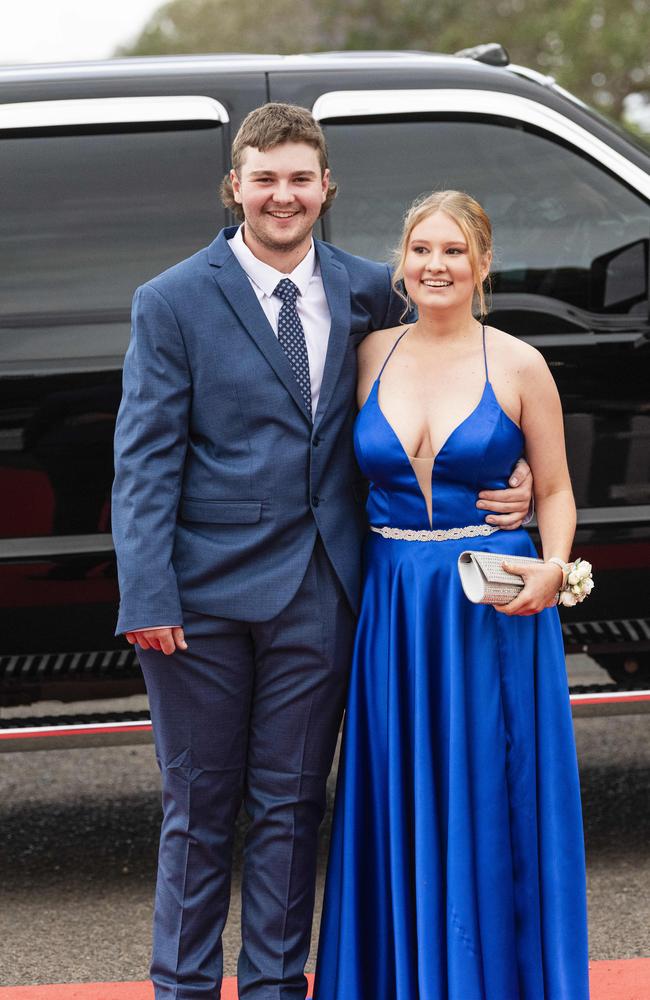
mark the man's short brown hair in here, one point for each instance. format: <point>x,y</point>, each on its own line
<point>270,126</point>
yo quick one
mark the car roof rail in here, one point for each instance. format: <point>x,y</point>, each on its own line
<point>492,53</point>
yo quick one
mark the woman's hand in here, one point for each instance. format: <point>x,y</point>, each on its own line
<point>541,585</point>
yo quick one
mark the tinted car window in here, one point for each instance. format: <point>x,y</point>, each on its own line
<point>88,217</point>
<point>564,229</point>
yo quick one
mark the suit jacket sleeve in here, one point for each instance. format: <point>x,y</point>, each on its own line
<point>150,444</point>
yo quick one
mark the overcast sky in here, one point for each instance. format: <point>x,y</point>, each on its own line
<point>54,30</point>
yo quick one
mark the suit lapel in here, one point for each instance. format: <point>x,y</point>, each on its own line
<point>232,280</point>
<point>336,283</point>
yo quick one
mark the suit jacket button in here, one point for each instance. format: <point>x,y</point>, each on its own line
<point>315,501</point>
<point>316,441</point>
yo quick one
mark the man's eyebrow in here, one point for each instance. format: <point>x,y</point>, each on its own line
<point>272,173</point>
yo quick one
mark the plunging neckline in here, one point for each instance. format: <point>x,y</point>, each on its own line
<point>411,458</point>
<point>431,458</point>
<point>487,386</point>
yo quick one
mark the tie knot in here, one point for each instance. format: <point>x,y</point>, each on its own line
<point>286,290</point>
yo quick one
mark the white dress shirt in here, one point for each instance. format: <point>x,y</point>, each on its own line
<point>311,304</point>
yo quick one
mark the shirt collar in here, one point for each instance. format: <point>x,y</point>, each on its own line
<point>266,277</point>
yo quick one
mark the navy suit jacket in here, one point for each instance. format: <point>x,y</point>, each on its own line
<point>221,479</point>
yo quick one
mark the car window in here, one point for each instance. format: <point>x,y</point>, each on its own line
<point>565,230</point>
<point>88,217</point>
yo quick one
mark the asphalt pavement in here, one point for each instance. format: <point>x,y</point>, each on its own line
<point>79,833</point>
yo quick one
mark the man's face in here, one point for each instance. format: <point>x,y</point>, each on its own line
<point>281,191</point>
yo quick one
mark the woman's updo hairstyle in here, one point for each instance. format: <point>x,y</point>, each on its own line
<point>474,224</point>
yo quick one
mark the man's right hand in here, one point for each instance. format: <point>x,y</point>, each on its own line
<point>165,640</point>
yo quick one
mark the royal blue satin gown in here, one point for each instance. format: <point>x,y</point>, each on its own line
<point>456,867</point>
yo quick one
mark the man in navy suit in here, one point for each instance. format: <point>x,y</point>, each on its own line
<point>238,518</point>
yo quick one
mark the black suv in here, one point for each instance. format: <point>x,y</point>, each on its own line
<point>110,173</point>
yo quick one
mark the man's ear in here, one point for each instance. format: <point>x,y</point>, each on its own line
<point>325,182</point>
<point>236,186</point>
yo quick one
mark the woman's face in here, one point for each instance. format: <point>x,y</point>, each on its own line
<point>438,267</point>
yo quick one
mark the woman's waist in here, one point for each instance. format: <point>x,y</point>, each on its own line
<point>449,543</point>
<point>447,508</point>
<point>445,524</point>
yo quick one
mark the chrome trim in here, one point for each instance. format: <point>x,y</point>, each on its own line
<point>184,64</point>
<point>544,79</point>
<point>45,547</point>
<point>637,514</point>
<point>70,737</point>
<point>361,103</point>
<point>612,703</point>
<point>614,515</point>
<point>586,339</point>
<point>60,366</point>
<point>110,111</point>
<point>547,81</point>
<point>73,736</point>
<point>72,727</point>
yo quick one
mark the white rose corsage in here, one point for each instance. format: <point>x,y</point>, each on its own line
<point>578,583</point>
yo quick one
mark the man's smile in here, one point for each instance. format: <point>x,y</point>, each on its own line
<point>282,214</point>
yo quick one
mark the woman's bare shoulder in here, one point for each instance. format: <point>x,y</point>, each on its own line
<point>378,338</point>
<point>377,344</point>
<point>512,353</point>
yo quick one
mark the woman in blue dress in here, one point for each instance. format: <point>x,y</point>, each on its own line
<point>456,867</point>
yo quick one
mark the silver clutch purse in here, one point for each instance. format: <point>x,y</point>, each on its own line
<point>483,579</point>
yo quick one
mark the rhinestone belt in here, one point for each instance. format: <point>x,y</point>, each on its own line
<point>437,535</point>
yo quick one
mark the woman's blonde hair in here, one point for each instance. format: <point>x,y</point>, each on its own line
<point>474,224</point>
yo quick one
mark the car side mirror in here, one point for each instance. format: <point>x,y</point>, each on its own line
<point>620,278</point>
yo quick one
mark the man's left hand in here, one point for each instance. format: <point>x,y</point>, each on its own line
<point>509,507</point>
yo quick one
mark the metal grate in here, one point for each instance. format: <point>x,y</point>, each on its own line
<point>608,636</point>
<point>56,666</point>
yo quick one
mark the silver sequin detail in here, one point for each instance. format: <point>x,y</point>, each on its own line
<point>437,535</point>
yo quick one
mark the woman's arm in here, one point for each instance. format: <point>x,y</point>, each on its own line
<point>543,428</point>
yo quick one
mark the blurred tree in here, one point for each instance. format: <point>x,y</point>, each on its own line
<point>598,49</point>
<point>223,26</point>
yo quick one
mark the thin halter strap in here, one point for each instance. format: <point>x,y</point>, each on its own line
<point>381,370</point>
<point>487,376</point>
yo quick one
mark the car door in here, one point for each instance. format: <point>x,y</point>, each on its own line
<point>97,195</point>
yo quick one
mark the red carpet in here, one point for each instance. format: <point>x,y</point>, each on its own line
<point>624,980</point>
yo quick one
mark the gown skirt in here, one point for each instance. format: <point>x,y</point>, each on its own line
<point>456,868</point>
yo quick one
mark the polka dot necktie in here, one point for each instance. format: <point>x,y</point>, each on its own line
<point>292,337</point>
